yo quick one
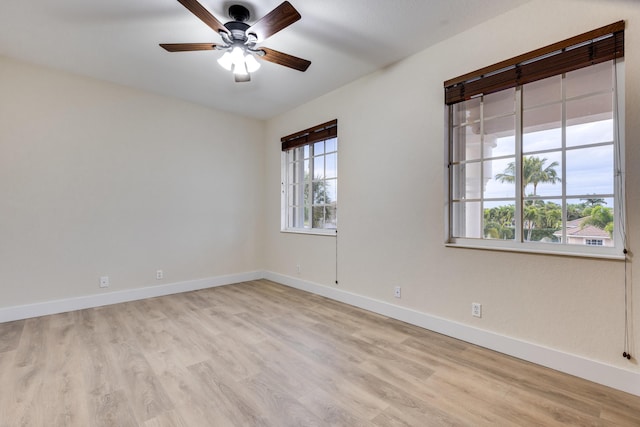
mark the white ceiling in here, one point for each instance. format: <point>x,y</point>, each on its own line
<point>117,41</point>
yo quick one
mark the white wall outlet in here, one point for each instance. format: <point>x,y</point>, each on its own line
<point>298,269</point>
<point>104,281</point>
<point>159,275</point>
<point>476,309</point>
<point>397,291</point>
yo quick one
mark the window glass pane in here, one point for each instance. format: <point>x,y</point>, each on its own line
<point>542,128</point>
<point>466,112</point>
<point>590,219</point>
<point>542,174</point>
<point>499,137</point>
<point>499,178</point>
<point>331,165</point>
<point>306,151</point>
<point>499,103</point>
<point>319,192</point>
<point>298,219</point>
<point>590,133</point>
<point>499,220</point>
<point>466,143</point>
<point>306,168</point>
<point>542,92</point>
<point>318,217</point>
<point>290,175</point>
<point>467,218</point>
<point>467,181</point>
<point>318,148</point>
<point>590,171</point>
<point>590,120</point>
<point>297,170</point>
<point>502,146</point>
<point>307,194</point>
<point>595,78</point>
<point>331,145</point>
<point>318,167</point>
<point>330,217</point>
<point>293,195</point>
<point>541,220</point>
<point>291,216</point>
<point>331,189</point>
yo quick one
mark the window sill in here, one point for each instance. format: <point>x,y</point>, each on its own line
<point>311,231</point>
<point>611,254</point>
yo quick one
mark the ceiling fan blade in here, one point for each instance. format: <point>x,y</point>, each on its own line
<point>274,21</point>
<point>284,59</point>
<point>204,15</point>
<point>242,78</point>
<point>187,47</point>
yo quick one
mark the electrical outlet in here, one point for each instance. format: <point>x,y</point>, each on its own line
<point>476,309</point>
<point>159,275</point>
<point>298,268</point>
<point>104,281</point>
<point>396,291</point>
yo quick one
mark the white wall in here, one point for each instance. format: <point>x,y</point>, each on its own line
<point>98,179</point>
<point>392,199</point>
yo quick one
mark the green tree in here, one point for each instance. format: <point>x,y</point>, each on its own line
<point>531,216</point>
<point>320,199</point>
<point>601,217</point>
<point>575,211</point>
<point>594,202</point>
<point>533,172</point>
<point>498,222</point>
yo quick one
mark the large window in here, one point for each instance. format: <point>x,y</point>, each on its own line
<point>535,151</point>
<point>310,180</point>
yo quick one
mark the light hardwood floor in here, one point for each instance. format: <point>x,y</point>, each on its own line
<point>262,354</point>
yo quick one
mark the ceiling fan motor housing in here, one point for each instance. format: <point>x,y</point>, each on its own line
<point>239,13</point>
<point>238,30</point>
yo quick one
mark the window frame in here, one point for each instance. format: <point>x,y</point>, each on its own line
<point>297,143</point>
<point>518,244</point>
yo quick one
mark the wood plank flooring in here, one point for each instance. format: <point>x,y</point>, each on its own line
<point>262,354</point>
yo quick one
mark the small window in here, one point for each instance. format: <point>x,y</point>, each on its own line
<point>310,180</point>
<point>535,151</point>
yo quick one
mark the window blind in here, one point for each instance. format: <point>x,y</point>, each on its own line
<point>590,48</point>
<point>314,134</point>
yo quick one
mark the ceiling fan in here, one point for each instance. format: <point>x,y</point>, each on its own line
<point>240,39</point>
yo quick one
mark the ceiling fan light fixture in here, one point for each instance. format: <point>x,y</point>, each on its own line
<point>251,63</point>
<point>225,61</point>
<point>237,56</point>
<point>240,69</point>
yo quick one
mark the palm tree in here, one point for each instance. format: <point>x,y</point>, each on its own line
<point>594,202</point>
<point>533,172</point>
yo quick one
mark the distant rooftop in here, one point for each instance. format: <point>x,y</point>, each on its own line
<point>574,229</point>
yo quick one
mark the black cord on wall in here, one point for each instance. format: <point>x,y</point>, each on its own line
<point>336,256</point>
<point>626,353</point>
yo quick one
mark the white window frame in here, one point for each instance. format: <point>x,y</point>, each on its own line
<point>518,244</point>
<point>296,154</point>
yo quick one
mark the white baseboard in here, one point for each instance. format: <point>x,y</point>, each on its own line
<point>611,376</point>
<point>89,301</point>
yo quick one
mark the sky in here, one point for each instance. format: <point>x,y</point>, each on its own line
<point>589,170</point>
